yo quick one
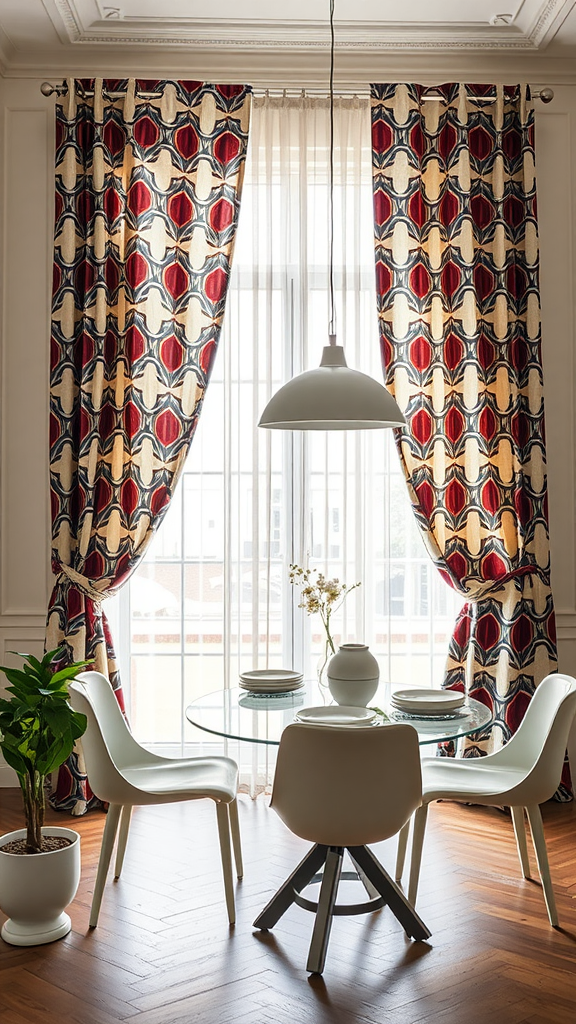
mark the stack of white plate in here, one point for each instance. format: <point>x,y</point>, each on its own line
<point>427,703</point>
<point>271,680</point>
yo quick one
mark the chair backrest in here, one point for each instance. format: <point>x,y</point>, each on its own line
<point>539,744</point>
<point>347,786</point>
<point>107,744</point>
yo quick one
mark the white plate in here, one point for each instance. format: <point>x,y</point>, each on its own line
<point>430,709</point>
<point>427,702</point>
<point>286,687</point>
<point>336,715</point>
<point>271,675</point>
<point>425,712</point>
<point>428,696</point>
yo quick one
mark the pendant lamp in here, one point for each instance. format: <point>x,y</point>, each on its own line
<point>334,396</point>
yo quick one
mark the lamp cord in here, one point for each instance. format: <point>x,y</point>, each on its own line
<point>331,324</point>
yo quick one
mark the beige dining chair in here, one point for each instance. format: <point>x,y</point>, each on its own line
<point>521,775</point>
<point>125,774</point>
<point>343,789</point>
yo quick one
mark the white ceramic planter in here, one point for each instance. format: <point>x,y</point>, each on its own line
<point>353,675</point>
<point>36,888</point>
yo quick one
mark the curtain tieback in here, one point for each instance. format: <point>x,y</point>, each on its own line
<point>82,583</point>
<point>490,588</point>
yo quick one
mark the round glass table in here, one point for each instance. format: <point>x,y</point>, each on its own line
<point>261,718</point>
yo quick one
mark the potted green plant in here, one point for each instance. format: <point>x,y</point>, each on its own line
<point>39,865</point>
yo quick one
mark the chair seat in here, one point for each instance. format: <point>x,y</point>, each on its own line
<point>468,780</point>
<point>183,779</point>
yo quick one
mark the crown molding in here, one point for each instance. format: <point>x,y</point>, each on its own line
<point>64,19</point>
<point>287,70</point>
<point>549,20</point>
<point>250,44</point>
<point>250,35</point>
<point>6,49</point>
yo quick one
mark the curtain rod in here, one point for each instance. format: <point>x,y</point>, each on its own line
<point>545,94</point>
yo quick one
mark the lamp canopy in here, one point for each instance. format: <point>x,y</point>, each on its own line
<point>332,397</point>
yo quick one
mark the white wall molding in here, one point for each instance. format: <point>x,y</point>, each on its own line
<point>556,169</point>
<point>354,71</point>
<point>549,20</point>
<point>26,242</point>
<point>63,16</point>
<point>26,636</point>
<point>566,626</point>
<point>79,34</point>
<point>5,50</point>
<point>84,23</point>
<point>248,37</point>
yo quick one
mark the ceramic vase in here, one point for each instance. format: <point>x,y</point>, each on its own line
<point>353,675</point>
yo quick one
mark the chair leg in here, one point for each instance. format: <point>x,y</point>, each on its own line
<point>122,838</point>
<point>520,833</point>
<point>110,829</point>
<point>537,830</point>
<point>416,858</point>
<point>401,851</point>
<point>223,818</point>
<point>297,881</point>
<point>235,830</point>
<point>324,914</point>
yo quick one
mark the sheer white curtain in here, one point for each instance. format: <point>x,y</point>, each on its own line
<point>213,596</point>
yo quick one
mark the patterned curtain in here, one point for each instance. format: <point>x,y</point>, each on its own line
<point>148,183</point>
<point>458,306</point>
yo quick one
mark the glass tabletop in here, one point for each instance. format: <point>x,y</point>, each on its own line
<point>261,718</point>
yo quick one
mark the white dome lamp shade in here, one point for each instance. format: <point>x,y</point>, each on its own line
<point>333,397</point>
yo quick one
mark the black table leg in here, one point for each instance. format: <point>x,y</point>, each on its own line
<point>395,898</point>
<point>299,878</point>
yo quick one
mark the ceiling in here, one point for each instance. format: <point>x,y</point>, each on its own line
<point>277,42</point>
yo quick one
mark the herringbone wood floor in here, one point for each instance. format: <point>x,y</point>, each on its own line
<point>163,952</point>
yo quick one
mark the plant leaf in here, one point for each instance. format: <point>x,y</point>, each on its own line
<point>13,759</point>
<point>58,719</point>
<point>78,724</point>
<point>34,663</point>
<point>15,675</point>
<point>69,672</point>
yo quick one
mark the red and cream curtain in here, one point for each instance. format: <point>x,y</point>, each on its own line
<point>458,307</point>
<point>148,183</point>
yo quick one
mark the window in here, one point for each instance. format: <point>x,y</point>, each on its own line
<point>212,596</point>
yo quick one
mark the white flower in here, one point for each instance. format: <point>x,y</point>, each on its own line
<point>319,595</point>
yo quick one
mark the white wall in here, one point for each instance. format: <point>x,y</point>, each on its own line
<point>26,183</point>
<point>556,166</point>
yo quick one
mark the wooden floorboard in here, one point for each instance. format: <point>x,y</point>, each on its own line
<point>163,952</point>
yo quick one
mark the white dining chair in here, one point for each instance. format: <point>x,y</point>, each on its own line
<point>125,774</point>
<point>521,775</point>
<point>342,789</point>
